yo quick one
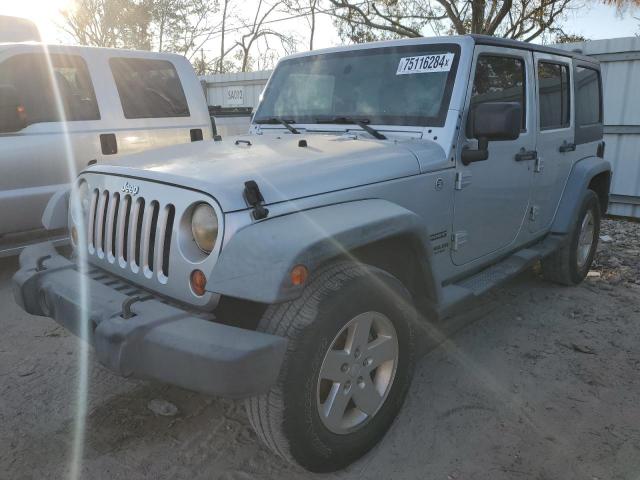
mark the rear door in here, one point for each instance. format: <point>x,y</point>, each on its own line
<point>158,106</point>
<point>555,138</point>
<point>492,196</point>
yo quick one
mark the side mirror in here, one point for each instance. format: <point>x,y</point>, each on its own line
<point>492,121</point>
<point>12,115</point>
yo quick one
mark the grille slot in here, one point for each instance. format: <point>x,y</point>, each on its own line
<point>134,233</point>
<point>138,232</point>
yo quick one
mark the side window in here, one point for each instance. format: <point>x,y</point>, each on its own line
<point>553,95</point>
<point>149,88</point>
<point>499,79</point>
<point>34,84</point>
<point>587,96</point>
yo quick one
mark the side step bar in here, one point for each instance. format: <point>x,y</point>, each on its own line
<point>456,295</point>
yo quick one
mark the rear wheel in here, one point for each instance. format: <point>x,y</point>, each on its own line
<point>570,264</point>
<point>347,368</point>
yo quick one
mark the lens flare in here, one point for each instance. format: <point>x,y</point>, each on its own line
<point>82,387</point>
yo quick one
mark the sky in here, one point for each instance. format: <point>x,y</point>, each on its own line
<point>594,22</point>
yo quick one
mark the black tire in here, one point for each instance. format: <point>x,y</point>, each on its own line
<point>562,266</point>
<point>286,418</point>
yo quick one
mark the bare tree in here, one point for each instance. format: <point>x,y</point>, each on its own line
<point>166,20</point>
<point>623,5</point>
<point>184,26</point>
<point>256,31</point>
<point>223,33</point>
<point>309,10</point>
<point>365,20</point>
<point>109,23</point>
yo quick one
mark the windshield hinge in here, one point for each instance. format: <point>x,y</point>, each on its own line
<point>462,180</point>
<point>254,198</point>
<point>458,239</point>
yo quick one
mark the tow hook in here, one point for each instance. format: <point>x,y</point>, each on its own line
<point>126,305</point>
<point>254,198</point>
<point>40,266</point>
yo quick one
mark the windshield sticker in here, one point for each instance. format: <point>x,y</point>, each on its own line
<point>425,64</point>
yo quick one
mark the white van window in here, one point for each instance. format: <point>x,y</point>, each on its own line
<point>149,88</point>
<point>34,84</point>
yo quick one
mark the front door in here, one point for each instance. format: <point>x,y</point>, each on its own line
<point>555,138</point>
<point>492,196</point>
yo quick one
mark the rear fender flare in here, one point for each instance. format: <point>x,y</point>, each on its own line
<point>581,174</point>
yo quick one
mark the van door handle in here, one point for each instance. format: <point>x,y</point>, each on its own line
<point>524,155</point>
<point>567,147</point>
<point>108,143</point>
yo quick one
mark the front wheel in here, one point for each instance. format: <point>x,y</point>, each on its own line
<point>570,264</point>
<point>347,368</point>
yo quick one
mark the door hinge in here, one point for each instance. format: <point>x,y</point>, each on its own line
<point>462,180</point>
<point>458,239</point>
<point>533,212</point>
<point>539,165</point>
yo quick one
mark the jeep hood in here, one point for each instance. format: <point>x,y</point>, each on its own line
<point>282,169</point>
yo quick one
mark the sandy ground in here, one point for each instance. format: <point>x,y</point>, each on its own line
<point>543,382</point>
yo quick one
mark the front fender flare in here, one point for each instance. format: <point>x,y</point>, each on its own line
<point>56,212</point>
<point>581,174</point>
<point>256,263</point>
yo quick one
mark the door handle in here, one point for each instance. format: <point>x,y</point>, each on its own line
<point>108,144</point>
<point>567,147</point>
<point>524,155</point>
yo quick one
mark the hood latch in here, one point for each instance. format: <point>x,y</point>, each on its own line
<point>254,198</point>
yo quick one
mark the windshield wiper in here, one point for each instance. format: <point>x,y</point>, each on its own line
<point>362,123</point>
<point>281,121</point>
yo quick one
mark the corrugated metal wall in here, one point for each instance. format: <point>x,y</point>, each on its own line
<point>235,89</point>
<point>620,64</point>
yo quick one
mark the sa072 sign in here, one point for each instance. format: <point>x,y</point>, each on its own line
<point>233,96</point>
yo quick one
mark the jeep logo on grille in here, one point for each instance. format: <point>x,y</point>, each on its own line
<point>130,189</point>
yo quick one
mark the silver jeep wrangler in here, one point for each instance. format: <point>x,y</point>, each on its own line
<point>381,188</point>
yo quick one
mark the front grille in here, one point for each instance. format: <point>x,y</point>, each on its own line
<point>139,230</point>
<point>131,232</point>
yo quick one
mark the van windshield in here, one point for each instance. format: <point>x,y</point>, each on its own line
<point>408,85</point>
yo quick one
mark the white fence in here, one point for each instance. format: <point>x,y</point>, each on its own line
<point>620,64</point>
<point>235,89</point>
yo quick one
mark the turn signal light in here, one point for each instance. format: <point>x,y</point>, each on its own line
<point>198,282</point>
<point>299,275</point>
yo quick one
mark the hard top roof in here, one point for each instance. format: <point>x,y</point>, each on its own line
<point>509,43</point>
<point>459,39</point>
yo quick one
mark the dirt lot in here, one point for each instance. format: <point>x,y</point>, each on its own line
<point>543,382</point>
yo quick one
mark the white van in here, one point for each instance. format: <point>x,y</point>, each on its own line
<point>63,107</point>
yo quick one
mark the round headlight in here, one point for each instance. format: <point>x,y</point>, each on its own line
<point>204,227</point>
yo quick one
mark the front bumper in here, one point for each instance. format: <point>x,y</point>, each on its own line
<point>158,341</point>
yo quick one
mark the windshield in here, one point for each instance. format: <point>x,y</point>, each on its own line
<point>408,85</point>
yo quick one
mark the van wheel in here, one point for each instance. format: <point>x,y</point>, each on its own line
<point>347,368</point>
<point>570,264</point>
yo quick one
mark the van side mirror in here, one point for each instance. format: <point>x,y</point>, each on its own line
<point>492,121</point>
<point>12,115</point>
